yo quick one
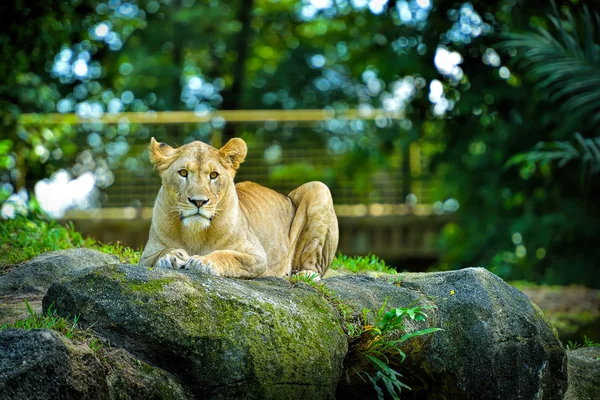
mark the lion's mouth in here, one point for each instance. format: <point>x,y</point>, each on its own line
<point>196,215</point>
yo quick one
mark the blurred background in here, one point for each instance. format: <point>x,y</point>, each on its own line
<point>451,133</point>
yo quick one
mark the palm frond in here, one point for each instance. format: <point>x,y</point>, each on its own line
<point>565,65</point>
<point>586,149</point>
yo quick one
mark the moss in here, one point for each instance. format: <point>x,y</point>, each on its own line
<point>110,271</point>
<point>149,287</point>
<point>217,331</point>
<point>541,316</point>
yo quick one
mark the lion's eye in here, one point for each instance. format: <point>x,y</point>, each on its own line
<point>183,172</point>
<point>214,175</point>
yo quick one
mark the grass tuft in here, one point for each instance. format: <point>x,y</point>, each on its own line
<point>355,264</point>
<point>587,342</point>
<point>51,320</point>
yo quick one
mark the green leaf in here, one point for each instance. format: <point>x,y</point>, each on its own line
<point>389,384</point>
<point>422,332</point>
<point>380,365</point>
<point>380,395</point>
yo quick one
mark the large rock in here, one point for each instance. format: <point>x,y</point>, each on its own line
<point>43,364</point>
<point>31,280</point>
<point>584,374</point>
<point>224,338</point>
<point>129,378</point>
<point>265,338</point>
<point>39,273</point>
<point>495,343</point>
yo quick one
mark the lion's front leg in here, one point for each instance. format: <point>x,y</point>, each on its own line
<point>228,263</point>
<point>168,258</point>
<point>314,229</point>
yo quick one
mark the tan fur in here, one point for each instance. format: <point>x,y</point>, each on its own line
<point>244,230</point>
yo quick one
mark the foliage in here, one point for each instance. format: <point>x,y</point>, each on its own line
<point>22,239</point>
<point>563,152</point>
<point>372,343</point>
<point>587,342</point>
<point>434,63</point>
<point>566,66</point>
<point>521,217</point>
<point>369,262</point>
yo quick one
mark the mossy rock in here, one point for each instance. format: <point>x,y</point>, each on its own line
<point>36,275</point>
<point>31,280</point>
<point>222,338</point>
<point>176,334</point>
<point>44,364</point>
<point>584,374</point>
<point>495,343</point>
<point>130,378</point>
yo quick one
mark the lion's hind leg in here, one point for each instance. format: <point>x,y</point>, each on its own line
<point>314,232</point>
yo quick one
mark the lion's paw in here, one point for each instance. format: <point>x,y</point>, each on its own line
<point>201,264</point>
<point>174,259</point>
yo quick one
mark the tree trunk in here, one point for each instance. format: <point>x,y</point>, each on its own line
<point>233,99</point>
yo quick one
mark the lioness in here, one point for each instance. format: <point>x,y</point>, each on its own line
<point>203,222</point>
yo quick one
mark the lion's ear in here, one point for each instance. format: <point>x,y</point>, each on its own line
<point>234,152</point>
<point>161,154</point>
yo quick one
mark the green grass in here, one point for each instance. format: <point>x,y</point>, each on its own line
<point>587,342</point>
<point>126,254</point>
<point>51,320</point>
<point>355,264</point>
<point>67,326</point>
<point>22,239</point>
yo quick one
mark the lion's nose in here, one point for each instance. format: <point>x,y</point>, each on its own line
<point>198,202</point>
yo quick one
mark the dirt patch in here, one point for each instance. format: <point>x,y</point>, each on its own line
<point>13,307</point>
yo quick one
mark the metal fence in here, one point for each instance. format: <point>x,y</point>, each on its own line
<point>285,149</point>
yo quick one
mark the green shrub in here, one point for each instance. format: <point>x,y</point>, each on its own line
<point>22,239</point>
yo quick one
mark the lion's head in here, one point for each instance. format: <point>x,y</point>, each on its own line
<point>196,178</point>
